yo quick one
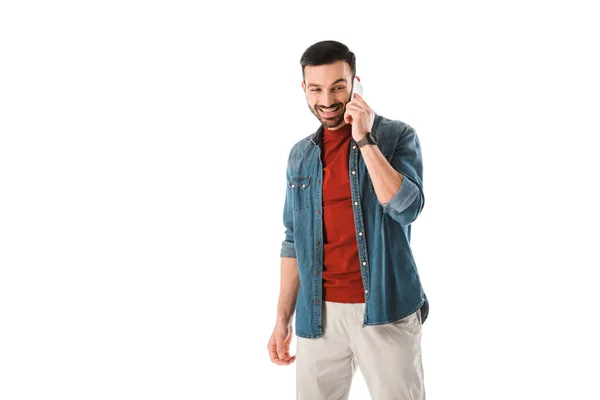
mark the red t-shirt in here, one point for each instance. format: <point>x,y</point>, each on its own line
<point>342,279</point>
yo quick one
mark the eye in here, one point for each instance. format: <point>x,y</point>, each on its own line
<point>339,88</point>
<point>315,90</point>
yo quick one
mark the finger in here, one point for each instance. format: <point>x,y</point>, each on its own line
<point>280,349</point>
<point>352,103</point>
<point>361,103</point>
<point>356,98</point>
<point>273,351</point>
<point>347,117</point>
<point>290,360</point>
<point>355,107</point>
<point>355,113</point>
<point>275,357</point>
<point>285,361</point>
<point>359,99</point>
<point>278,361</point>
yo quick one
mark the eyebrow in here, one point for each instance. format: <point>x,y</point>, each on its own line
<point>338,81</point>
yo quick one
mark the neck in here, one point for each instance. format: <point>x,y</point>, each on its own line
<point>343,127</point>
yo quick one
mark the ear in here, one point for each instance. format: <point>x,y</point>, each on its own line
<point>303,87</point>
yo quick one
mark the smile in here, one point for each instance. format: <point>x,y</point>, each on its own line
<point>329,111</point>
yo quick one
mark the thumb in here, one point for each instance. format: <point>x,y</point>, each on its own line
<point>280,351</point>
<point>347,118</point>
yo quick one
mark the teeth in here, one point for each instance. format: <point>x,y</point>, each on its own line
<point>329,110</point>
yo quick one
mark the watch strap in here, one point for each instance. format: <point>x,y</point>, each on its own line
<point>368,139</point>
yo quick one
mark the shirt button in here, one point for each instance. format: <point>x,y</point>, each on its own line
<point>366,291</point>
<point>353,147</point>
<point>318,211</point>
<point>317,301</point>
<point>359,233</point>
<point>317,272</point>
<point>318,243</point>
<point>356,203</point>
<point>353,172</point>
<point>364,263</point>
<point>293,186</point>
<point>319,181</point>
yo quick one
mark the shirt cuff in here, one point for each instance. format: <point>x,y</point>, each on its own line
<point>403,198</point>
<point>288,249</point>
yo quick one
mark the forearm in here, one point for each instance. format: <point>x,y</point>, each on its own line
<point>386,180</point>
<point>289,286</point>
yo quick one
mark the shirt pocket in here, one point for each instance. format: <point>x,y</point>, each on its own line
<point>300,186</point>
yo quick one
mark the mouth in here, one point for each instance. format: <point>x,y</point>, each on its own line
<point>329,112</point>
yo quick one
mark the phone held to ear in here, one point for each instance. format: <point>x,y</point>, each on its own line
<point>357,88</point>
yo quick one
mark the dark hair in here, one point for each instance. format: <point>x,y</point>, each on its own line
<point>328,52</point>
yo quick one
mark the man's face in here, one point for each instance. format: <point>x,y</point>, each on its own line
<point>327,88</point>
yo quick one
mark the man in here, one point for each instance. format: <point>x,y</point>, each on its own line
<point>347,271</point>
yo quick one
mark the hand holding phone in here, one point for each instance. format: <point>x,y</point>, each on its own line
<point>357,88</point>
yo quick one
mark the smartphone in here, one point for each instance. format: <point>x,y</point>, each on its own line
<point>357,88</point>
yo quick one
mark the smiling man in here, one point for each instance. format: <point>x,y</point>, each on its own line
<point>354,187</point>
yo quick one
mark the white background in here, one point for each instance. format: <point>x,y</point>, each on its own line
<point>142,174</point>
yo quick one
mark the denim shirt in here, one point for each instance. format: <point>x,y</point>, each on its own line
<point>392,285</point>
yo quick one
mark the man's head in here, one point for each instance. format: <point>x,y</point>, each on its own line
<point>328,71</point>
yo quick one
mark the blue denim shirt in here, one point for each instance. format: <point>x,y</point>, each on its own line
<point>392,285</point>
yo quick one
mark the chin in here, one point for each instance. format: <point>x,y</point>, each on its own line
<point>328,123</point>
<point>335,121</point>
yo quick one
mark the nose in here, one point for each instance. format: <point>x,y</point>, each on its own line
<point>327,99</point>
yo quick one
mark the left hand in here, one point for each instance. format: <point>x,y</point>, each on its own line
<point>359,114</point>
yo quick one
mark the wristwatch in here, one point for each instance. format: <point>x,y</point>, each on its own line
<point>369,139</point>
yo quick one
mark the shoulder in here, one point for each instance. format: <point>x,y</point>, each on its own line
<point>301,147</point>
<point>302,158</point>
<point>391,128</point>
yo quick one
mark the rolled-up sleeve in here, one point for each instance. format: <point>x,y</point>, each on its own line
<point>409,200</point>
<point>288,248</point>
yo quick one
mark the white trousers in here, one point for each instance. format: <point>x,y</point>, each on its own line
<point>388,355</point>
